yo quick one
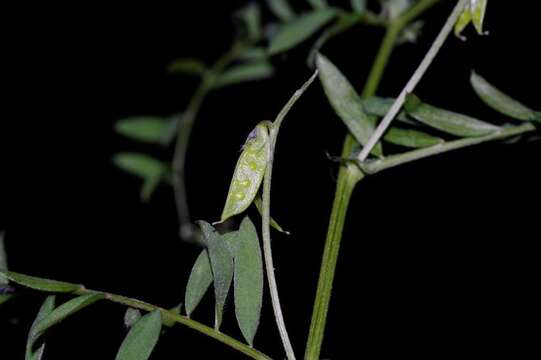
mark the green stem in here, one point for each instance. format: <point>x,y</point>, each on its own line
<point>225,339</point>
<point>267,249</point>
<point>414,80</point>
<point>372,167</point>
<point>348,177</point>
<point>388,43</point>
<point>184,131</point>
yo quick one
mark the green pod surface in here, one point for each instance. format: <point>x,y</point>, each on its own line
<point>500,101</point>
<point>248,174</point>
<point>478,10</point>
<point>447,121</point>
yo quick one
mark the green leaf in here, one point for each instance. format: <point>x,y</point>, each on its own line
<point>250,17</point>
<point>142,338</point>
<point>281,9</point>
<point>3,262</point>
<point>248,280</point>
<point>318,4</point>
<point>40,283</point>
<point>447,121</point>
<point>64,311</point>
<point>152,171</point>
<point>257,53</point>
<point>273,223</point>
<point>201,275</point>
<point>500,101</point>
<point>143,129</point>
<point>346,102</point>
<point>296,31</point>
<point>411,138</point>
<point>359,6</point>
<point>198,283</point>
<point>131,317</point>
<point>187,66</point>
<point>45,310</point>
<point>380,107</point>
<point>140,165</point>
<point>221,262</point>
<point>251,71</point>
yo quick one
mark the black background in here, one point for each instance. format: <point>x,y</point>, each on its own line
<point>439,257</point>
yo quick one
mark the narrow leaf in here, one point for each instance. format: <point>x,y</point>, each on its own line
<point>346,102</point>
<point>281,9</point>
<point>187,66</point>
<point>500,101</point>
<point>40,283</point>
<point>142,338</point>
<point>45,310</point>
<point>248,280</point>
<point>273,223</point>
<point>318,4</point>
<point>296,31</point>
<point>64,311</point>
<point>198,283</point>
<point>221,261</point>
<point>143,129</point>
<point>447,121</point>
<point>253,54</point>
<point>131,317</point>
<point>251,71</point>
<point>380,107</point>
<point>411,138</point>
<point>140,165</point>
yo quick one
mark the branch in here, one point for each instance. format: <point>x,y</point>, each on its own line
<point>267,249</point>
<point>412,83</point>
<point>372,167</point>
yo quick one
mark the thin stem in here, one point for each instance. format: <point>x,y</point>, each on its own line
<point>192,324</point>
<point>416,77</point>
<point>267,249</point>
<point>372,167</point>
<point>184,131</point>
<point>388,43</point>
<point>348,177</point>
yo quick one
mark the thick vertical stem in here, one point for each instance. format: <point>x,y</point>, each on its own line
<point>348,177</point>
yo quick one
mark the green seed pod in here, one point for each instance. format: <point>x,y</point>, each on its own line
<point>474,12</point>
<point>479,8</point>
<point>249,172</point>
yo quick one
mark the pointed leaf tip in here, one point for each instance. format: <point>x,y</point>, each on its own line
<point>346,102</point>
<point>499,101</point>
<point>142,338</point>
